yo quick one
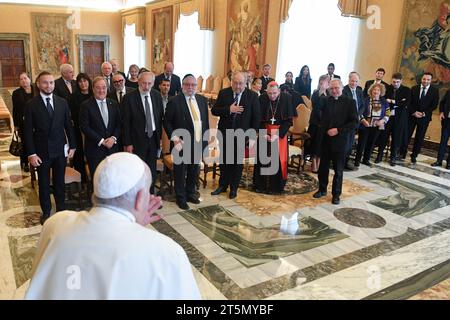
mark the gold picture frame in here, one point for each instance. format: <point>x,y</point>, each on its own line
<point>52,41</point>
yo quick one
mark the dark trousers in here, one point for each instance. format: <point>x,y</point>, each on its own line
<point>383,138</point>
<point>443,145</point>
<point>78,157</point>
<point>23,156</point>
<point>58,167</point>
<point>366,143</point>
<point>230,174</point>
<point>149,156</point>
<point>351,141</point>
<point>338,160</point>
<point>421,126</point>
<point>185,176</point>
<point>93,164</point>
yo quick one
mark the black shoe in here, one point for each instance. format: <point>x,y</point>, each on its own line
<point>348,168</point>
<point>357,164</point>
<point>378,160</point>
<point>413,160</point>
<point>219,190</point>
<point>319,194</point>
<point>392,163</point>
<point>43,218</point>
<point>183,205</point>
<point>367,163</point>
<point>233,194</point>
<point>193,200</point>
<point>336,200</point>
<point>436,164</point>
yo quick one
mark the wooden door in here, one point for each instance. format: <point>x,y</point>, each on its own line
<point>12,62</point>
<point>93,57</point>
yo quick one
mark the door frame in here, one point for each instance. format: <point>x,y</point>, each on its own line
<point>86,37</point>
<point>25,38</point>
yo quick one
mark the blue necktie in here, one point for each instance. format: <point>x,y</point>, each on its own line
<point>49,108</point>
<point>423,93</point>
<point>233,115</point>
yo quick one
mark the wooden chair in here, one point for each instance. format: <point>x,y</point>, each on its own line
<point>298,137</point>
<point>209,84</point>
<point>307,102</point>
<point>165,165</point>
<point>217,85</point>
<point>211,162</point>
<point>226,83</point>
<point>200,84</point>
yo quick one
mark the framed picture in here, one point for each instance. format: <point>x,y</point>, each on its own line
<point>52,41</point>
<point>425,43</point>
<point>162,38</point>
<point>246,35</point>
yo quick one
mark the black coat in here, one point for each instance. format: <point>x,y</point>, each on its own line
<point>93,128</point>
<point>134,121</point>
<point>445,104</point>
<point>428,104</point>
<point>19,99</point>
<point>175,84</point>
<point>284,112</point>
<point>265,82</point>
<point>302,88</point>
<point>46,137</point>
<point>399,121</point>
<point>359,95</point>
<point>113,94</point>
<point>178,116</point>
<point>62,90</point>
<point>340,114</point>
<point>249,119</point>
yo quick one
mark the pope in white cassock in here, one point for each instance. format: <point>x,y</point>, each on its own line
<point>107,253</point>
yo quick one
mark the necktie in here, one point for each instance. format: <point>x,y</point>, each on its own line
<point>355,97</point>
<point>233,115</point>
<point>120,96</point>
<point>104,111</point>
<point>69,86</point>
<point>49,108</point>
<point>423,93</point>
<point>197,122</point>
<point>148,118</point>
<point>108,83</point>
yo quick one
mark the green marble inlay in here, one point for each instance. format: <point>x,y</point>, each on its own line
<point>252,245</point>
<point>411,200</point>
<point>23,249</point>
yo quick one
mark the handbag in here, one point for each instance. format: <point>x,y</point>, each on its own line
<point>16,146</point>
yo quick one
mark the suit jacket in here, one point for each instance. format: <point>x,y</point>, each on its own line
<point>445,104</point>
<point>265,82</point>
<point>111,84</point>
<point>175,84</point>
<point>359,95</point>
<point>113,94</point>
<point>369,83</point>
<point>428,104</point>
<point>62,90</point>
<point>19,100</point>
<point>91,124</point>
<point>402,98</point>
<point>44,136</point>
<point>133,117</point>
<point>340,114</point>
<point>178,116</point>
<point>249,119</point>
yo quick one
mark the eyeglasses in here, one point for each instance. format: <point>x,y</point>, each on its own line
<point>118,81</point>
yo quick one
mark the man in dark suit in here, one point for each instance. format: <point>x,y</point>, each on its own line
<point>339,120</point>
<point>142,115</point>
<point>330,73</point>
<point>424,100</point>
<point>47,123</point>
<point>108,75</point>
<point>189,112</point>
<point>65,85</point>
<point>238,108</point>
<point>101,124</point>
<point>119,88</point>
<point>445,133</point>
<point>353,91</point>
<point>399,98</point>
<point>379,74</point>
<point>265,78</point>
<point>115,68</point>
<point>175,82</point>
<point>164,87</point>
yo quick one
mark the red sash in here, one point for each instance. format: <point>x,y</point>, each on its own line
<point>282,148</point>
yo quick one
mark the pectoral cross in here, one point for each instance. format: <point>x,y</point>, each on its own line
<point>272,120</point>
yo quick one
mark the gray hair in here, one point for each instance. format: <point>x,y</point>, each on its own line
<point>105,63</point>
<point>242,73</point>
<point>127,201</point>
<point>64,67</point>
<point>337,80</point>
<point>352,73</point>
<point>146,72</point>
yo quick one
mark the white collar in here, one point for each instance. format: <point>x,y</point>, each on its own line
<point>45,96</point>
<point>120,211</point>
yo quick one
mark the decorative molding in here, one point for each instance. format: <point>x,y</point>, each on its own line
<point>134,16</point>
<point>83,37</point>
<point>25,38</point>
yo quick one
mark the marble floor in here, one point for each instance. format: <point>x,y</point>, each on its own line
<point>388,239</point>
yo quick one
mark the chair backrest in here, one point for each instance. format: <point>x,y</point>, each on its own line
<point>213,124</point>
<point>301,122</point>
<point>226,83</point>
<point>200,84</point>
<point>209,84</point>
<point>307,102</point>
<point>217,85</point>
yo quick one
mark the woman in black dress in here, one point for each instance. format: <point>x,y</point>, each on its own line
<point>303,82</point>
<point>132,79</point>
<point>83,92</point>
<point>313,149</point>
<point>20,97</point>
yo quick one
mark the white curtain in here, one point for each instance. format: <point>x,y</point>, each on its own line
<point>193,48</point>
<point>315,35</point>
<point>134,48</point>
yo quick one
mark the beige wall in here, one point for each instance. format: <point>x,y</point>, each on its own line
<point>17,19</point>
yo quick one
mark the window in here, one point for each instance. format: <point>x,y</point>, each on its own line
<point>134,48</point>
<point>193,48</point>
<point>315,35</point>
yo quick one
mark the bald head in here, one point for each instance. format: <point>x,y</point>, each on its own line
<point>168,68</point>
<point>238,82</point>
<point>106,69</point>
